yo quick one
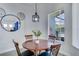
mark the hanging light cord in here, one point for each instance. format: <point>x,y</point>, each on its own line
<point>35,7</point>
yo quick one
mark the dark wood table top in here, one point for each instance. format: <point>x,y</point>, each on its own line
<point>31,45</point>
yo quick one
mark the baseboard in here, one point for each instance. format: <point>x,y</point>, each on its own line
<point>8,50</point>
<point>5,51</point>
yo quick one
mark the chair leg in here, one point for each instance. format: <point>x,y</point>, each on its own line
<point>50,52</point>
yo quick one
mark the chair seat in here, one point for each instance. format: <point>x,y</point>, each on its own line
<point>27,53</point>
<point>44,54</point>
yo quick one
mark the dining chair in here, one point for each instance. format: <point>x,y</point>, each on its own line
<point>28,37</point>
<point>25,53</point>
<point>52,37</point>
<point>54,49</point>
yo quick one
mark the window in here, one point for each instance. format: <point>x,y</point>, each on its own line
<point>59,21</point>
<point>56,24</point>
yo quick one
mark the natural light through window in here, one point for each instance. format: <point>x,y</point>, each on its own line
<point>59,20</point>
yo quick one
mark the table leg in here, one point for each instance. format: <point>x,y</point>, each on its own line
<point>39,52</point>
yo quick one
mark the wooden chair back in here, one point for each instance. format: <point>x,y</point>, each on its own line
<point>17,48</point>
<point>29,37</point>
<point>54,49</point>
<point>52,37</point>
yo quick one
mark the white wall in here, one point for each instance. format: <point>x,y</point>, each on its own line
<point>75,25</point>
<point>27,25</point>
<point>67,47</point>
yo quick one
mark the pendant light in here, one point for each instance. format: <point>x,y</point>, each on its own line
<point>35,17</point>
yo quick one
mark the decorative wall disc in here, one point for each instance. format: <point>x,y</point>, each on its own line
<point>21,15</point>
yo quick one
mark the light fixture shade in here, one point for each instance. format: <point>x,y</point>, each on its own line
<point>35,18</point>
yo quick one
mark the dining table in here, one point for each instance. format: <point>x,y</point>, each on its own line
<point>39,45</point>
